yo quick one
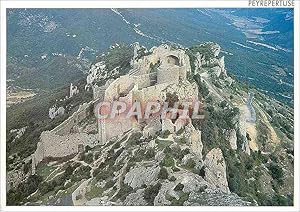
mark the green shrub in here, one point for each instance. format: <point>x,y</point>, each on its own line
<point>182,198</point>
<point>150,153</point>
<point>46,187</point>
<point>83,172</point>
<point>139,155</point>
<point>190,164</point>
<point>151,192</point>
<point>87,148</point>
<point>178,153</point>
<point>103,175</point>
<point>276,172</point>
<point>124,191</point>
<point>89,158</point>
<point>165,134</point>
<point>202,88</point>
<point>17,195</point>
<point>172,178</point>
<point>134,139</point>
<point>179,187</point>
<point>109,184</point>
<point>27,167</point>
<point>180,131</point>
<point>168,150</point>
<point>163,173</point>
<point>168,161</point>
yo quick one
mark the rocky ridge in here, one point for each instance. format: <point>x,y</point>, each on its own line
<point>193,166</point>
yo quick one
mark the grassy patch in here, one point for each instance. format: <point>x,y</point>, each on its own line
<point>162,144</point>
<point>44,170</point>
<point>178,202</point>
<point>94,192</point>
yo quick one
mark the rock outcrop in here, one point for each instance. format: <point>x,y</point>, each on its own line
<point>135,199</point>
<point>73,90</point>
<point>215,199</point>
<point>232,138</point>
<point>54,112</point>
<point>194,140</point>
<point>139,176</point>
<point>13,179</point>
<point>215,169</point>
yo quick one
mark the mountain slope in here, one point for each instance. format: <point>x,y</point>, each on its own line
<point>241,153</point>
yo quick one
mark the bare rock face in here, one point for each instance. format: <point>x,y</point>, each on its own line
<point>194,140</point>
<point>136,47</point>
<point>13,179</point>
<point>199,60</point>
<point>73,90</point>
<point>54,112</point>
<point>246,147</point>
<point>215,170</point>
<point>135,199</point>
<point>152,128</point>
<point>139,176</point>
<point>161,198</point>
<point>103,201</point>
<point>232,138</point>
<point>215,199</point>
<point>222,65</point>
<point>216,49</point>
<point>192,182</point>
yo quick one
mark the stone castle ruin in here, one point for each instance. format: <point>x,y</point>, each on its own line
<point>65,139</point>
<point>143,84</point>
<point>152,78</point>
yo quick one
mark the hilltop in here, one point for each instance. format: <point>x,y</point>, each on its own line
<point>241,153</point>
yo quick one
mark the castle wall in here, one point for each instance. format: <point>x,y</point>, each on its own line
<point>118,127</point>
<point>70,125</point>
<point>184,90</point>
<point>166,56</point>
<point>111,128</point>
<point>57,146</point>
<point>168,74</point>
<point>152,93</point>
<point>64,139</point>
<point>124,84</point>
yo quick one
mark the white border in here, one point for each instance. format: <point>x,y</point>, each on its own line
<point>140,4</point>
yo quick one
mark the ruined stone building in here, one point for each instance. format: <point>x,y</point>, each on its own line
<point>151,78</point>
<point>66,138</point>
